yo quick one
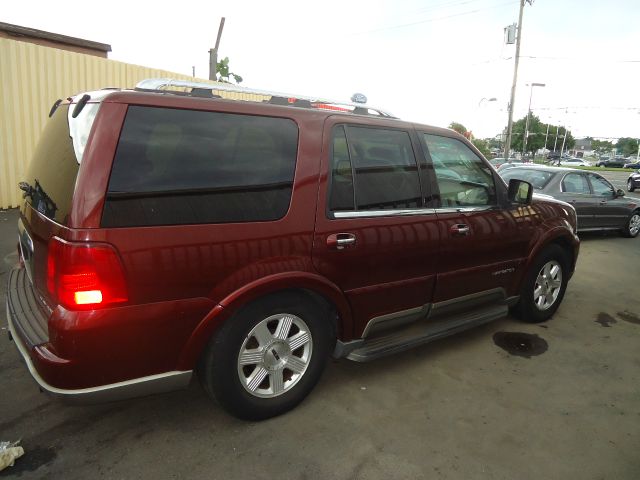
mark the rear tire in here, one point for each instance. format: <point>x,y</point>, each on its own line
<point>268,357</point>
<point>544,286</point>
<point>632,227</point>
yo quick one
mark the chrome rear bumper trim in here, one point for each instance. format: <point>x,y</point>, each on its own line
<point>137,387</point>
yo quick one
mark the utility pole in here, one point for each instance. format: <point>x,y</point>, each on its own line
<point>213,53</point>
<point>507,145</point>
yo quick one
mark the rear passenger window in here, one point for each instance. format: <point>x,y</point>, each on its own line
<point>177,166</point>
<point>575,183</point>
<point>373,169</point>
<point>464,180</point>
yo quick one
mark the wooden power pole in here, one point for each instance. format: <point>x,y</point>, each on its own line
<point>213,53</point>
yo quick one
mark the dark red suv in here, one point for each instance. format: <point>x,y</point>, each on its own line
<point>170,232</point>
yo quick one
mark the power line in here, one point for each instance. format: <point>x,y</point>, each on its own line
<point>573,59</point>
<point>429,20</point>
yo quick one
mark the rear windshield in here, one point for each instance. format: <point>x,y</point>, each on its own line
<point>538,178</point>
<point>175,166</point>
<point>51,175</point>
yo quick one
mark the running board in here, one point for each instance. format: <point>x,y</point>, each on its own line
<point>425,331</point>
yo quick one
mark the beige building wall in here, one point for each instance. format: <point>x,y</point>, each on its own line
<point>32,78</point>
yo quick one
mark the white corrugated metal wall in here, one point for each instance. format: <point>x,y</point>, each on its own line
<point>32,77</point>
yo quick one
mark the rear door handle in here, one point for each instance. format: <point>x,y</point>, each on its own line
<point>339,241</point>
<point>460,229</point>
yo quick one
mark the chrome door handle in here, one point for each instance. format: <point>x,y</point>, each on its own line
<point>339,241</point>
<point>460,229</point>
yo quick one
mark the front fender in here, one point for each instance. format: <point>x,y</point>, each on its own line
<point>259,288</point>
<point>562,234</point>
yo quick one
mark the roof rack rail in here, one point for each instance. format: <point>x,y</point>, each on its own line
<point>155,84</point>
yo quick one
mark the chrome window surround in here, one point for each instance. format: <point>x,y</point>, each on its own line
<point>407,212</point>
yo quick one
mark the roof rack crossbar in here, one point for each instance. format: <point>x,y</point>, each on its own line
<point>160,83</point>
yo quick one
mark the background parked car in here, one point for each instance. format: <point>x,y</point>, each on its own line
<point>598,204</point>
<point>633,181</point>
<point>574,162</point>
<point>634,165</point>
<point>496,162</point>
<point>611,162</point>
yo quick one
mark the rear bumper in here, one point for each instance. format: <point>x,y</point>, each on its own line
<point>23,321</point>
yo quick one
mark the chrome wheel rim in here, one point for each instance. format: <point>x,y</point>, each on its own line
<point>634,224</point>
<point>275,355</point>
<point>629,185</point>
<point>547,286</point>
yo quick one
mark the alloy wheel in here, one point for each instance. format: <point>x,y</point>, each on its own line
<point>275,355</point>
<point>547,286</point>
<point>634,224</point>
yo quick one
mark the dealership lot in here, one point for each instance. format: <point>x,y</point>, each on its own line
<point>459,408</point>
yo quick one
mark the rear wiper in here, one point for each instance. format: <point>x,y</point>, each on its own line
<point>27,189</point>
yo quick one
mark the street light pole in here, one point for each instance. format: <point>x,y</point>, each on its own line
<point>546,136</point>
<point>526,128</point>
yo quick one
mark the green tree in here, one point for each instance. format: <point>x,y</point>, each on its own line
<point>537,135</point>
<point>223,72</point>
<point>482,145</point>
<point>627,146</point>
<point>601,146</point>
<point>458,127</point>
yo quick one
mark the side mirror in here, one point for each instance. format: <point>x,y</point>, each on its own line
<point>619,193</point>
<point>520,192</point>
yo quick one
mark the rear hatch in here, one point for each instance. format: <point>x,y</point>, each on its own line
<point>50,183</point>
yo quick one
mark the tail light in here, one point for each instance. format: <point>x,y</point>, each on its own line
<point>83,276</point>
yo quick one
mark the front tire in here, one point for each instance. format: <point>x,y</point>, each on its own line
<point>268,357</point>
<point>630,186</point>
<point>632,228</point>
<point>544,286</point>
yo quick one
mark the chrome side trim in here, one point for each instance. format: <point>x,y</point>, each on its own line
<point>137,387</point>
<point>384,213</point>
<point>494,295</point>
<point>396,318</point>
<point>464,209</point>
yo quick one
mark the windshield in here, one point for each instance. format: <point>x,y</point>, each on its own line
<point>538,178</point>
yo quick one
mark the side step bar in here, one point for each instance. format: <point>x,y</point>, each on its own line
<point>424,332</point>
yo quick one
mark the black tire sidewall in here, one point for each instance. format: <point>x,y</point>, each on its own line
<point>529,312</point>
<point>219,366</point>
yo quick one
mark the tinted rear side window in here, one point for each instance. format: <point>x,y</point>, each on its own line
<point>379,164</point>
<point>177,166</point>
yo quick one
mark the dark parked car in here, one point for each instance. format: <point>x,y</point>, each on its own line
<point>634,165</point>
<point>633,181</point>
<point>611,162</point>
<point>164,233</point>
<point>598,204</point>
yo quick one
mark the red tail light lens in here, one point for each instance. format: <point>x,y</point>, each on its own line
<point>84,276</point>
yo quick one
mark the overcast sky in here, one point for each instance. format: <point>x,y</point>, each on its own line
<point>429,61</point>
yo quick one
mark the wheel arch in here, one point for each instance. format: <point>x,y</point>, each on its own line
<point>560,236</point>
<point>315,288</point>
